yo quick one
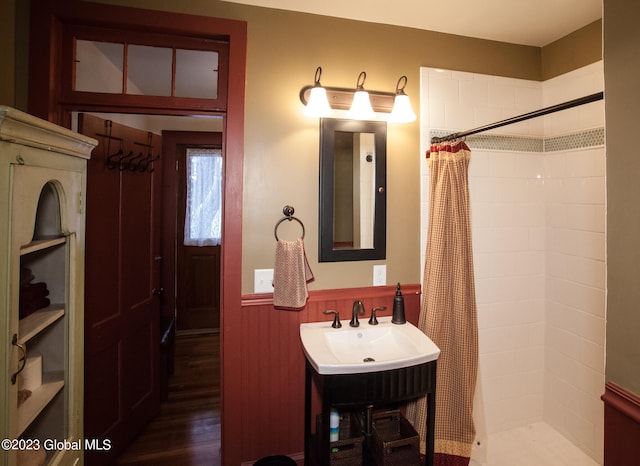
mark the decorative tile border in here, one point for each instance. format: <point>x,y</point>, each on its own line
<point>590,138</point>
<point>579,140</point>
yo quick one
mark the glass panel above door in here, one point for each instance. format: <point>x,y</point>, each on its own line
<point>111,68</point>
<point>149,70</point>
<point>98,66</point>
<point>196,74</point>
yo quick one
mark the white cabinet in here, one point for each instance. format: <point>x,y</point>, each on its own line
<point>42,189</point>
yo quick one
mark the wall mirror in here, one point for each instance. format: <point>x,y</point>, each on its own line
<point>353,174</point>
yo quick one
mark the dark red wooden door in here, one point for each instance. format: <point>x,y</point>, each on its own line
<point>191,273</point>
<point>122,273</point>
<point>198,267</point>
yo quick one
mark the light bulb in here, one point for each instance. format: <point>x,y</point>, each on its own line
<point>402,111</point>
<point>318,105</point>
<point>361,107</point>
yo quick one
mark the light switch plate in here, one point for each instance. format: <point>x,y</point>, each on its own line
<point>379,275</point>
<point>263,281</point>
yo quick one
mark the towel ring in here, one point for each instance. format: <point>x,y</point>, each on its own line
<point>288,215</point>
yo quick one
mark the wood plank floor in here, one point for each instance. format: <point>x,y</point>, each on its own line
<point>187,430</point>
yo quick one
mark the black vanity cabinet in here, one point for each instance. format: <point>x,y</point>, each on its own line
<point>352,391</point>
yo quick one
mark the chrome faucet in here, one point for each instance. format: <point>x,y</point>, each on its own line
<point>358,308</point>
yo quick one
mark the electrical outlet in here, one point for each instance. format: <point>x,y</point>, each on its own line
<point>263,281</point>
<point>379,275</point>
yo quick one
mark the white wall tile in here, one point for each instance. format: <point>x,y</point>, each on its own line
<point>586,217</point>
<point>502,165</point>
<point>443,89</point>
<point>437,114</point>
<point>459,116</point>
<point>537,239</point>
<point>479,164</point>
<point>528,99</point>
<point>586,271</point>
<point>555,165</point>
<point>529,166</point>
<point>586,163</point>
<point>501,95</point>
<point>474,93</point>
<point>487,115</point>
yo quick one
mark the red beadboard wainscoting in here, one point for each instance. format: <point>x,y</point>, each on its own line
<point>621,426</point>
<point>268,394</point>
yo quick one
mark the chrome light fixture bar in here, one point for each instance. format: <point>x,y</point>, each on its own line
<point>341,98</point>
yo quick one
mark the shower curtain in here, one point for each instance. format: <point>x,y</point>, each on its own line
<point>448,314</point>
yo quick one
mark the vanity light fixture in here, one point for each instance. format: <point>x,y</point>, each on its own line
<point>402,111</point>
<point>320,100</point>
<point>361,106</point>
<point>318,105</point>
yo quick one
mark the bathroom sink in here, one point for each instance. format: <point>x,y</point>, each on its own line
<point>367,348</point>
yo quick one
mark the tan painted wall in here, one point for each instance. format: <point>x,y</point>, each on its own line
<point>281,145</point>
<point>581,47</point>
<point>622,113</point>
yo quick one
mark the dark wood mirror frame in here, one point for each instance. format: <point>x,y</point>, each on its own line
<point>326,250</point>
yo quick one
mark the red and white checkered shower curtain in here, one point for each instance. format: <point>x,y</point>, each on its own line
<point>448,315</point>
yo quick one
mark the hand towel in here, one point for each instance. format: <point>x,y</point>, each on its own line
<point>291,275</point>
<point>33,297</point>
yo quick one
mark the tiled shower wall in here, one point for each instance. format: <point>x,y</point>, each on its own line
<point>575,263</point>
<point>537,194</point>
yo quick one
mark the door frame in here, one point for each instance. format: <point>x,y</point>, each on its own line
<point>46,26</point>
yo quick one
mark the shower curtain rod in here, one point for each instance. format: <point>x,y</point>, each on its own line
<point>527,116</point>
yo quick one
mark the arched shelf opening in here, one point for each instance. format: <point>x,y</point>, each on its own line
<point>48,214</point>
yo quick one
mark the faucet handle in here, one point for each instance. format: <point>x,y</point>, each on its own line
<point>336,317</point>
<point>373,320</point>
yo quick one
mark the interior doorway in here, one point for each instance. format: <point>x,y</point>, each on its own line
<point>198,159</point>
<point>115,181</point>
<point>52,97</point>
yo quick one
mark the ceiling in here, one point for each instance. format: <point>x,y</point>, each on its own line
<point>526,22</point>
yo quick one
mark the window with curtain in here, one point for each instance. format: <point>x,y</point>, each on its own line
<point>203,213</point>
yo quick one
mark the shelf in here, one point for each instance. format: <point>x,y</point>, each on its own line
<point>34,323</point>
<point>40,244</point>
<point>38,400</point>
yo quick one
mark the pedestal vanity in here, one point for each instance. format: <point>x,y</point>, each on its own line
<point>362,367</point>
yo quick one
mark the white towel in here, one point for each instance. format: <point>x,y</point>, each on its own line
<point>291,275</point>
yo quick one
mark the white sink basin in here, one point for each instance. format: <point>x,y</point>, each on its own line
<point>367,348</point>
